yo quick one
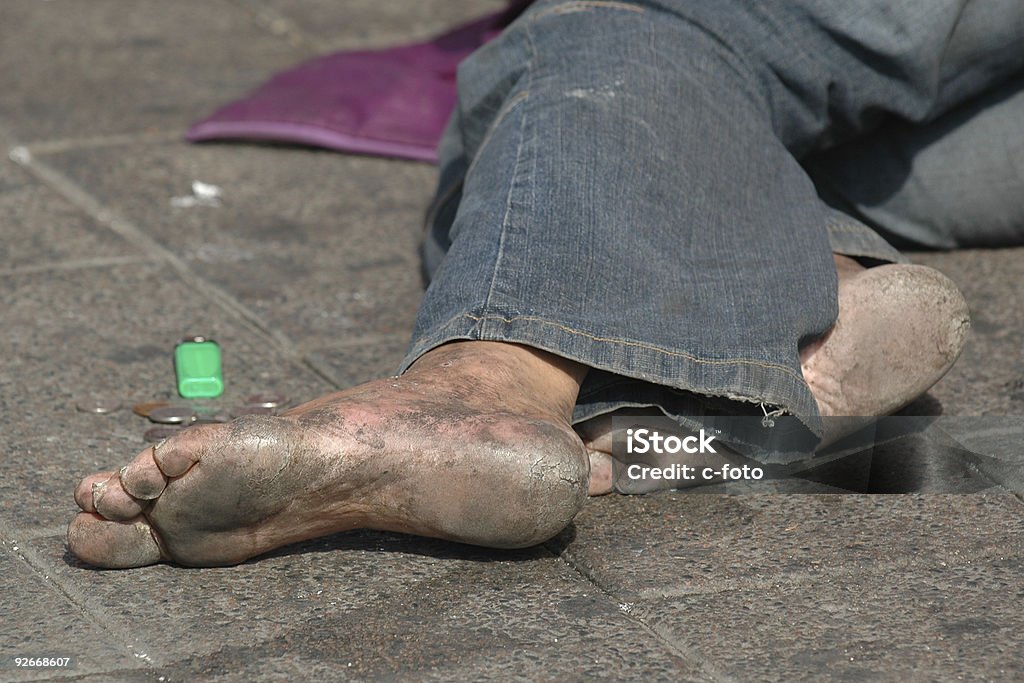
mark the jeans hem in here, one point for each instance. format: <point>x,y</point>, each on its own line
<point>736,379</point>
<point>849,237</point>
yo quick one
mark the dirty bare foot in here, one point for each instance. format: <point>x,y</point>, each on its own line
<point>472,444</point>
<point>900,329</point>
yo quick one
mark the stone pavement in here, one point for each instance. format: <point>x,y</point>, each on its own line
<point>307,274</point>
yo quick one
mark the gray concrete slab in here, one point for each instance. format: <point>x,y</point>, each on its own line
<point>936,624</point>
<point>72,332</point>
<point>40,622</point>
<point>688,544</point>
<point>996,438</point>
<point>323,247</point>
<point>104,68</point>
<point>797,587</point>
<point>351,364</point>
<point>371,606</point>
<point>44,230</point>
<point>367,24</point>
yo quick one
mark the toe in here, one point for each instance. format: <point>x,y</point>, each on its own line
<point>83,492</point>
<point>175,456</point>
<point>111,500</point>
<point>113,545</point>
<point>142,478</point>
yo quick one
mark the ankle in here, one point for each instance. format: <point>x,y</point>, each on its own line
<point>511,376</point>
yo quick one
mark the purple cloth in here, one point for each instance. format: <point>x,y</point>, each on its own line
<point>392,102</point>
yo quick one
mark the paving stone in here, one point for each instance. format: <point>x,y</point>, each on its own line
<point>928,461</point>
<point>999,441</point>
<point>374,606</point>
<point>324,247</point>
<point>72,332</point>
<point>100,68</point>
<point>778,486</point>
<point>667,544</point>
<point>937,623</point>
<point>895,455</point>
<point>998,436</point>
<point>42,228</point>
<point>334,25</point>
<point>40,622</point>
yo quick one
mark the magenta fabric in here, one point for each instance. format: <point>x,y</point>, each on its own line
<point>393,102</point>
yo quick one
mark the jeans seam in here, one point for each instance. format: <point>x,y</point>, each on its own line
<point>507,109</point>
<point>520,97</point>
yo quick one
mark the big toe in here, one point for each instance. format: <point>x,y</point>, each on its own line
<point>83,492</point>
<point>113,545</point>
<point>111,501</point>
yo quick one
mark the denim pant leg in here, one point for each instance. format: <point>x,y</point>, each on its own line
<point>621,186</point>
<point>955,182</point>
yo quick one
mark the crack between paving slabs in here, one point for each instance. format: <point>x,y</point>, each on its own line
<point>92,614</point>
<point>678,650</point>
<point>126,229</point>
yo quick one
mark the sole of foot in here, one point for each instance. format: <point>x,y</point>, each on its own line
<point>900,329</point>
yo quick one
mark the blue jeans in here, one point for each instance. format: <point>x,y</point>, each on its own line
<point>655,188</point>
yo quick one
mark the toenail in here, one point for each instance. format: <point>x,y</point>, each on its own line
<point>99,488</point>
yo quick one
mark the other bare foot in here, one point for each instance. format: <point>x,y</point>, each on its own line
<point>900,329</point>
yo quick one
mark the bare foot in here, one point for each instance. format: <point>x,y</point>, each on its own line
<point>900,329</point>
<point>472,444</point>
